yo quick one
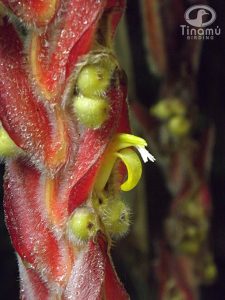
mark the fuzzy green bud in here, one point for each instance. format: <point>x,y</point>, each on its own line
<point>83,225</point>
<point>115,217</point>
<point>161,110</point>
<point>166,108</point>
<point>179,126</point>
<point>210,272</point>
<point>93,80</point>
<point>7,147</point>
<point>91,112</point>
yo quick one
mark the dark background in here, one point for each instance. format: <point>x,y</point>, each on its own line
<point>211,83</point>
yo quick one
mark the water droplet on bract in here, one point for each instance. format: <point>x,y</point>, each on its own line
<point>64,33</point>
<point>55,77</point>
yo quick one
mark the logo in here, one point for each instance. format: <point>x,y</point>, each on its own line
<point>203,15</point>
<point>200,17</point>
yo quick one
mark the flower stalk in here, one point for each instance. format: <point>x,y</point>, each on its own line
<point>65,139</point>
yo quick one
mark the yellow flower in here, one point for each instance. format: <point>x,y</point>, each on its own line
<point>120,148</point>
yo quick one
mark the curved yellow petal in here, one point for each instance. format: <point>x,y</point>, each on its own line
<point>125,140</point>
<point>118,147</point>
<point>104,172</point>
<point>134,168</point>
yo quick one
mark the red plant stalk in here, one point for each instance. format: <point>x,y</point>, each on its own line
<point>64,120</point>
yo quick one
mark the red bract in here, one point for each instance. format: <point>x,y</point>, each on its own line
<point>61,158</point>
<point>34,12</point>
<point>25,118</point>
<point>49,51</point>
<point>32,236</point>
<point>94,266</point>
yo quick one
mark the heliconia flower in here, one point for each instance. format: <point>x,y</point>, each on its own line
<point>119,147</point>
<point>65,129</point>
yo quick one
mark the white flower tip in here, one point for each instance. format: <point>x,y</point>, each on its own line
<point>145,154</point>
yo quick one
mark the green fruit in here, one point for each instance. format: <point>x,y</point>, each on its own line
<point>115,217</point>
<point>192,210</point>
<point>83,225</point>
<point>179,126</point>
<point>161,110</point>
<point>210,272</point>
<point>91,112</point>
<point>7,146</point>
<point>165,108</point>
<point>93,80</point>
